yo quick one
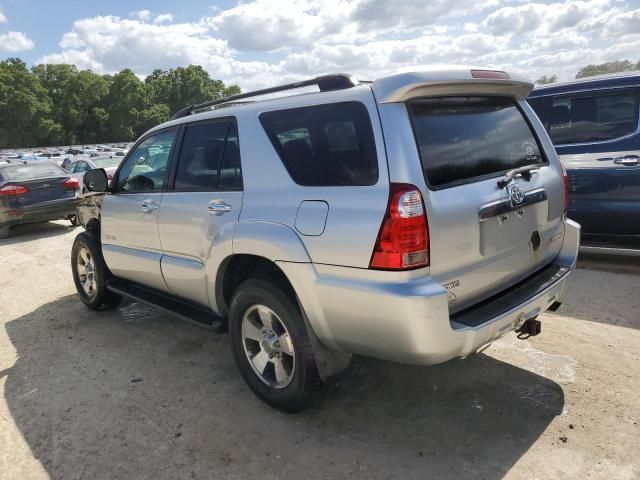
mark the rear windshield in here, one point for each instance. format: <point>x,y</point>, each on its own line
<point>463,138</point>
<point>31,171</point>
<point>107,162</point>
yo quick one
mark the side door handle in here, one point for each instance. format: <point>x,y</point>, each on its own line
<point>148,206</point>
<point>219,208</point>
<point>629,160</point>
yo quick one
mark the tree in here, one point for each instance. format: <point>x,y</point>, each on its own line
<point>74,96</point>
<point>24,108</point>
<point>58,104</point>
<point>544,80</point>
<point>616,66</point>
<point>128,97</point>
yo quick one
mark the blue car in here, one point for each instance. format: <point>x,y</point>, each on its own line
<point>594,125</point>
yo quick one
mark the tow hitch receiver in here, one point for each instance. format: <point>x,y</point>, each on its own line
<point>530,328</point>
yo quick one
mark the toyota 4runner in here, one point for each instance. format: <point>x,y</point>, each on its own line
<point>415,218</point>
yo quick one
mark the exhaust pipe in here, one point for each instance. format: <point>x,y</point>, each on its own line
<point>530,328</point>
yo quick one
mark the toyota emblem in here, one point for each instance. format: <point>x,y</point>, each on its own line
<point>515,194</point>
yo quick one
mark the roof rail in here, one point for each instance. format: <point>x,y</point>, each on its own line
<point>325,83</point>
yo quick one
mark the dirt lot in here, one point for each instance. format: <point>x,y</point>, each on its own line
<point>131,393</point>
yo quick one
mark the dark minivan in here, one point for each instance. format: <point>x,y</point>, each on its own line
<point>594,126</point>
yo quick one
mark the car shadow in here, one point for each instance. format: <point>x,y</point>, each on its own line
<point>34,231</point>
<point>619,288</point>
<point>130,393</point>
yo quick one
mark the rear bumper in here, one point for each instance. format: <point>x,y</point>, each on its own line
<point>39,212</point>
<point>408,321</point>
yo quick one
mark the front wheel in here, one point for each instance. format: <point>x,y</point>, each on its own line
<point>271,346</point>
<point>90,273</point>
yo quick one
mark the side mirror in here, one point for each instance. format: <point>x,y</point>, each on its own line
<point>96,180</point>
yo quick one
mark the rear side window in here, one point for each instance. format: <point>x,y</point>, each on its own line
<point>32,171</point>
<point>325,145</point>
<point>582,119</point>
<point>463,138</point>
<point>199,163</point>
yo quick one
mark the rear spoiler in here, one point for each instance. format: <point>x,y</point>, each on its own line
<point>404,86</point>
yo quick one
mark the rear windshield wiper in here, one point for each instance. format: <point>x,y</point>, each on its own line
<point>525,171</point>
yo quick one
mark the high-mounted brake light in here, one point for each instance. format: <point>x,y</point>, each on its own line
<point>403,240</point>
<point>13,190</point>
<point>71,183</point>
<point>492,74</point>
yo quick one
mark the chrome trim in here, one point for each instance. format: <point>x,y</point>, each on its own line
<point>505,206</point>
<point>147,254</point>
<point>624,252</point>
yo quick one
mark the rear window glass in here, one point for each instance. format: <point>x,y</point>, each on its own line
<point>325,145</point>
<point>592,119</point>
<point>107,162</point>
<point>461,138</point>
<point>31,171</point>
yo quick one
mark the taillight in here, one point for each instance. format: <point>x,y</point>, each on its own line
<point>565,182</point>
<point>403,240</point>
<point>13,190</point>
<point>490,74</point>
<point>71,183</point>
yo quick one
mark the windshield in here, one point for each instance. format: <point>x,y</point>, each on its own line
<point>460,138</point>
<point>31,171</point>
<point>107,162</point>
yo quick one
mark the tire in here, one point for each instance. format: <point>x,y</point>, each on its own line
<point>91,284</point>
<point>4,232</point>
<point>298,384</point>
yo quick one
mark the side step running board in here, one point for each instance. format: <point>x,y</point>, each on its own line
<point>178,308</point>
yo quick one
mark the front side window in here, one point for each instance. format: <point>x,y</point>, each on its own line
<point>145,168</point>
<point>583,119</point>
<point>462,138</point>
<point>325,145</point>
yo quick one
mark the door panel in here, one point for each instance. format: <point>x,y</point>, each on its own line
<point>188,227</point>
<point>133,234</point>
<point>129,217</point>
<point>205,196</point>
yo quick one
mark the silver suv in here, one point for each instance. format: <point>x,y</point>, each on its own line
<point>415,218</point>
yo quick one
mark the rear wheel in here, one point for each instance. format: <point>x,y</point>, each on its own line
<point>90,273</point>
<point>272,348</point>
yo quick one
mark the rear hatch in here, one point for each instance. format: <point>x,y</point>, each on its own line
<point>43,181</point>
<point>486,233</point>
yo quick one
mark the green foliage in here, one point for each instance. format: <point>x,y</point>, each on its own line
<point>544,80</point>
<point>60,105</point>
<point>616,66</point>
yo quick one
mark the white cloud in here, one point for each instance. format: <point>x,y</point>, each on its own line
<point>2,18</point>
<point>163,17</point>
<point>264,42</point>
<point>15,42</point>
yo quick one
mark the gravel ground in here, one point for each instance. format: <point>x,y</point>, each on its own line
<point>131,393</point>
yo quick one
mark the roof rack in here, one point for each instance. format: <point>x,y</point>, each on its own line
<point>325,83</point>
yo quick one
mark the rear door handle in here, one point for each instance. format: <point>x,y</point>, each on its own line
<point>148,206</point>
<point>629,160</point>
<point>219,208</point>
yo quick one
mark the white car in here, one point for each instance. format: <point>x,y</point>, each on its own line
<point>79,167</point>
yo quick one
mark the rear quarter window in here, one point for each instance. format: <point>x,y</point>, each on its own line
<point>460,139</point>
<point>325,145</point>
<point>593,118</point>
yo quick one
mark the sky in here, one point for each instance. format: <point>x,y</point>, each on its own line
<point>257,43</point>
